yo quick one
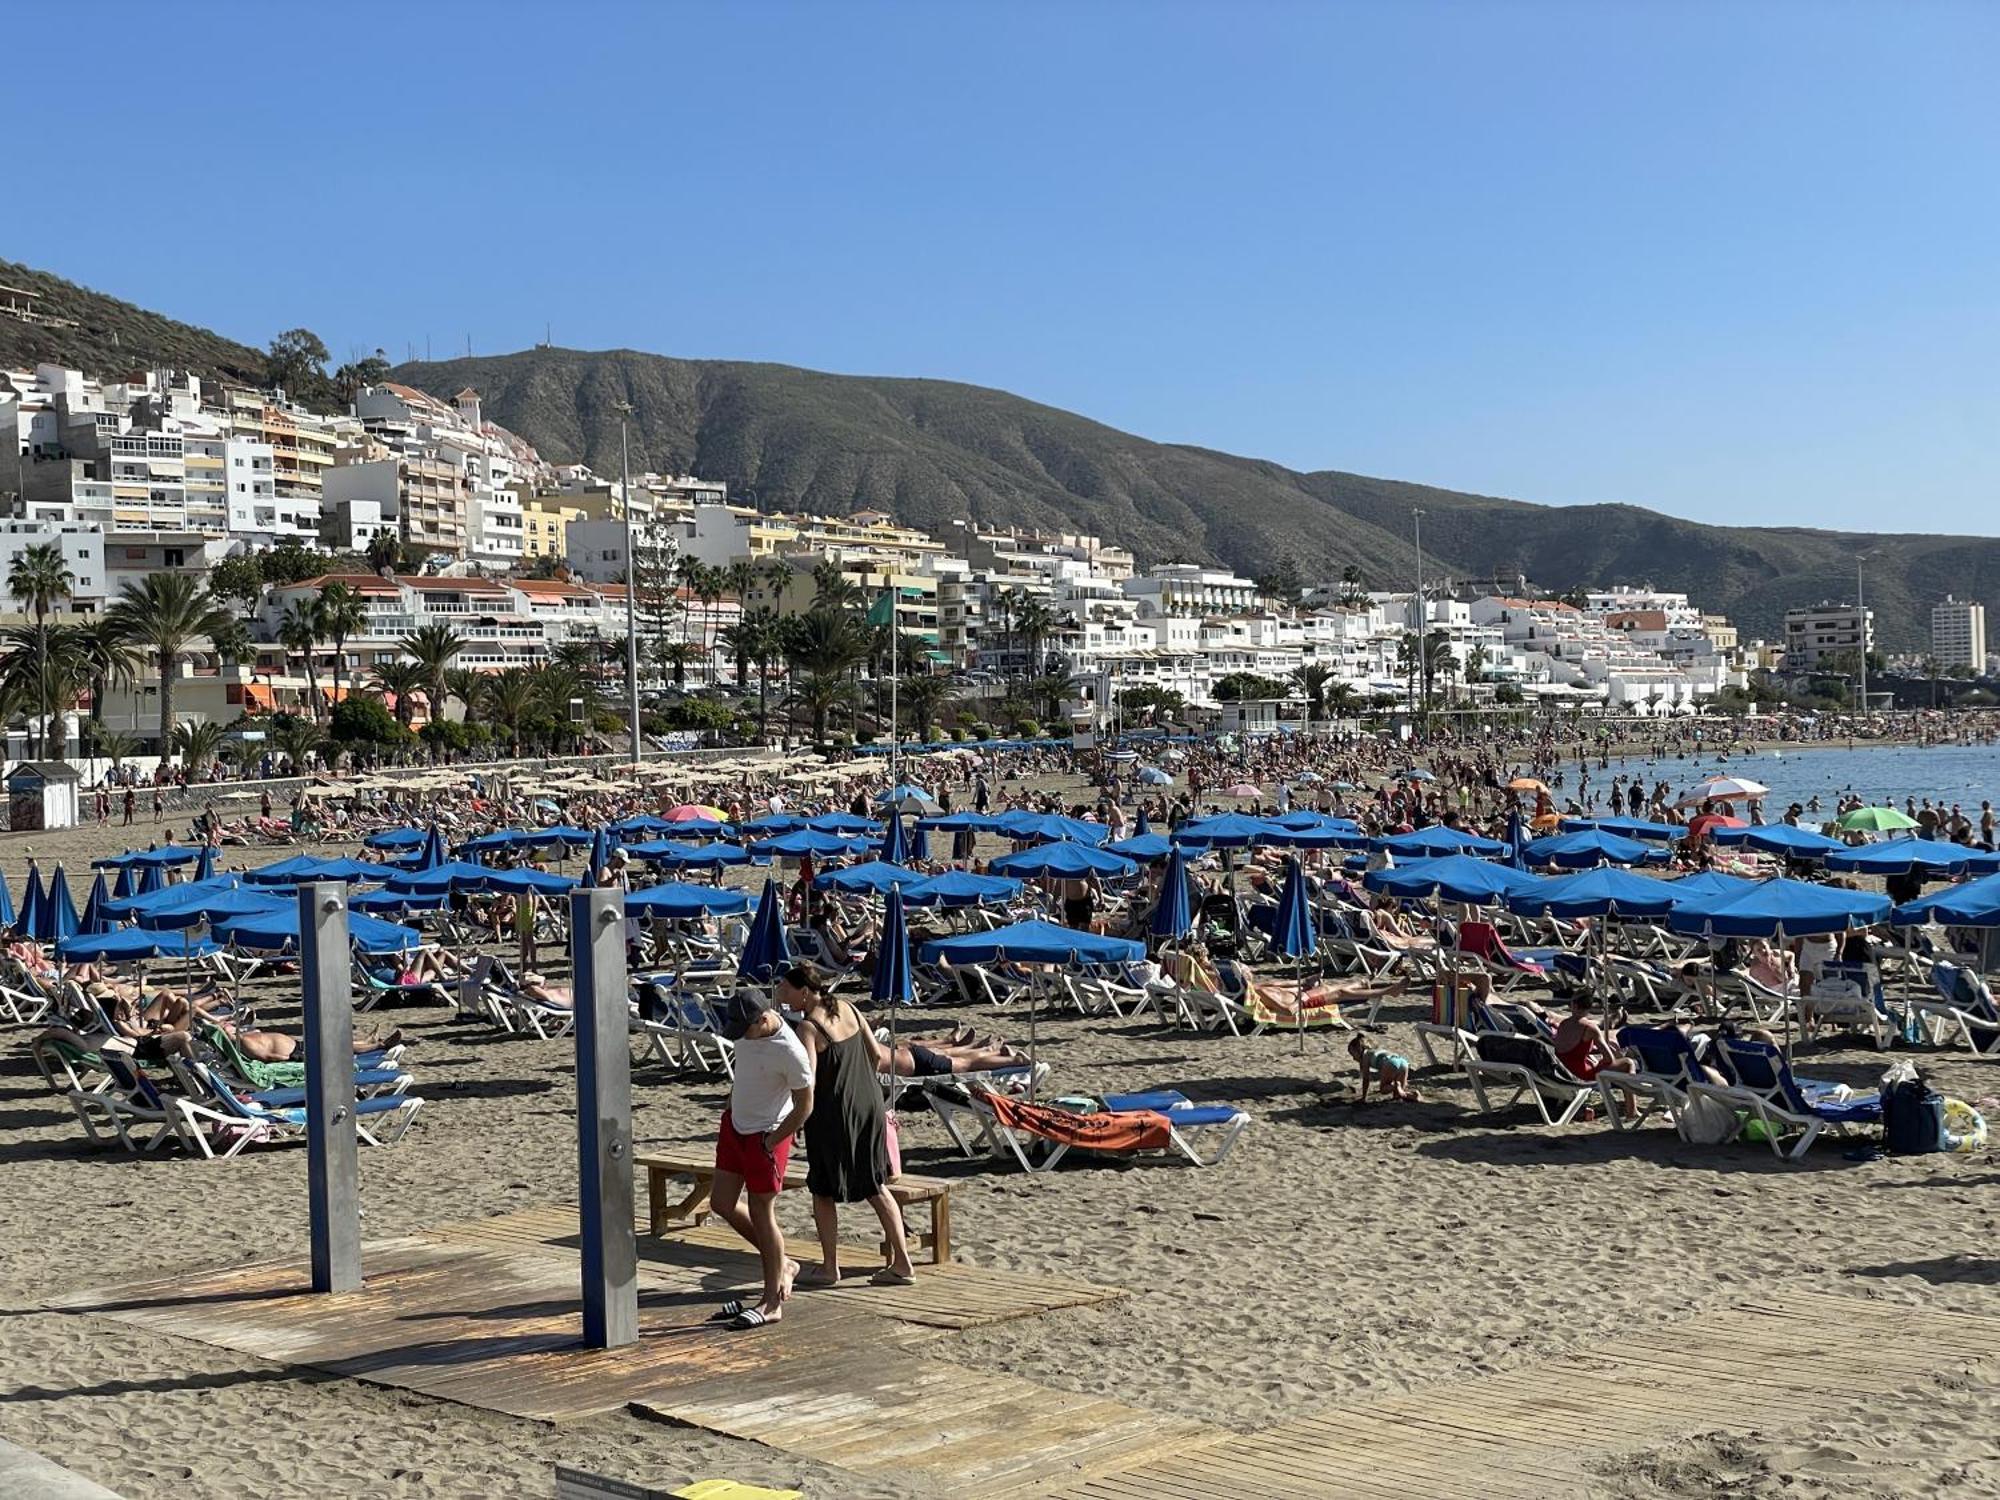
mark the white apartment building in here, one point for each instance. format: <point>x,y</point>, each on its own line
<point>1814,633</point>
<point>83,552</point>
<point>1188,588</point>
<point>1958,633</point>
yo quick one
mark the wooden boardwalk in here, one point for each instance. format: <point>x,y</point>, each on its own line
<point>1533,1432</point>
<point>948,1296</point>
<point>486,1314</point>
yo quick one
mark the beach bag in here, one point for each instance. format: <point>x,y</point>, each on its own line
<point>1706,1121</point>
<point>1912,1117</point>
<point>890,1140</point>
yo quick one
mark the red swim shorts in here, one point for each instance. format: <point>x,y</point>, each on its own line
<point>762,1171</point>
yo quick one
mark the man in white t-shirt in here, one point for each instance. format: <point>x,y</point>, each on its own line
<point>768,1102</point>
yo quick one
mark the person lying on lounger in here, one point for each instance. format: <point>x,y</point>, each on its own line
<point>961,1052</point>
<point>1388,1071</point>
<point>535,987</point>
<point>1278,997</point>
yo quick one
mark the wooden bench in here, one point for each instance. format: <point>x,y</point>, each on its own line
<point>699,1168</point>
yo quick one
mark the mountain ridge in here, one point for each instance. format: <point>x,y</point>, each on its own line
<point>934,451</point>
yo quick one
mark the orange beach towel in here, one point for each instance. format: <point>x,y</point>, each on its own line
<point>1107,1130</point>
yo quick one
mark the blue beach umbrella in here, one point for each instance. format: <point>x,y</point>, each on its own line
<point>307,867</point>
<point>277,931</point>
<point>1295,935</point>
<point>771,824</point>
<point>804,841</point>
<point>123,943</point>
<point>188,906</point>
<point>31,902</point>
<point>674,899</point>
<point>1973,904</point>
<point>1629,828</point>
<point>1229,831</point>
<point>204,866</point>
<point>876,877</point>
<point>396,904</point>
<point>961,888</point>
<point>121,888</point>
<point>396,838</point>
<point>1456,877</point>
<point>1517,840</point>
<point>839,822</point>
<point>1173,913</point>
<point>894,848</point>
<point>1034,942</point>
<point>1141,828</point>
<point>7,905</point>
<point>58,910</point>
<point>920,846</point>
<point>1025,826</point>
<point>1604,891</point>
<point>1144,847</point>
<point>1779,908</point>
<point>714,856</point>
<point>766,950</point>
<point>1063,858</point>
<point>600,851</point>
<point>527,882</point>
<point>152,878</point>
<point>641,824</point>
<point>1585,848</point>
<point>1780,838</point>
<point>892,984</point>
<point>433,849</point>
<point>170,854</point>
<point>453,875</point>
<point>1901,856</point>
<point>1439,840</point>
<point>94,919</point>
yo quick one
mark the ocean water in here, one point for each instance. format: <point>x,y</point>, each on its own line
<point>1965,774</point>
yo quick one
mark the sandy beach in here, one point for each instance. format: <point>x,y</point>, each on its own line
<point>1342,1251</point>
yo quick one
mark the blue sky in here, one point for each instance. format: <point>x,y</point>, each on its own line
<point>1734,262</point>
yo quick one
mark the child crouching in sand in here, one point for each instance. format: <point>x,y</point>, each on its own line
<point>1389,1071</point>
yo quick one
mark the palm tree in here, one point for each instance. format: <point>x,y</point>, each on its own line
<point>1339,699</point>
<point>823,647</point>
<point>432,647</point>
<point>113,744</point>
<point>1033,620</point>
<point>674,657</point>
<point>760,633</point>
<point>112,662</point>
<point>1437,661</point>
<point>920,698</point>
<point>40,576</point>
<point>299,633</point>
<point>1475,664</point>
<point>1312,679</point>
<point>168,614</point>
<point>1049,692</point>
<point>832,588</point>
<point>47,669</point>
<point>342,613</point>
<point>1353,586</point>
<point>198,742</point>
<point>510,697</point>
<point>461,683</point>
<point>402,680</point>
<point>296,738</point>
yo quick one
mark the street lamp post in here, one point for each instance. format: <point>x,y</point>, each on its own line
<point>1861,625</point>
<point>1423,665</point>
<point>624,410</point>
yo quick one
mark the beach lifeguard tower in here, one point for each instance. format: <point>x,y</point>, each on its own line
<point>41,794</point>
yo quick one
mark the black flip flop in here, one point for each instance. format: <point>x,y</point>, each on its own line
<point>750,1317</point>
<point>733,1308</point>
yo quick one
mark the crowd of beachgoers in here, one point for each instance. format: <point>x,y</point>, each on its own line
<point>1454,1059</point>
